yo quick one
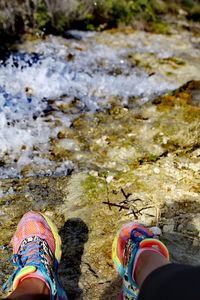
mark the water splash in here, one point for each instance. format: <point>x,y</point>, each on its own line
<point>90,69</point>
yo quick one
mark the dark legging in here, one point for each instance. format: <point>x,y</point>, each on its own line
<point>172,282</point>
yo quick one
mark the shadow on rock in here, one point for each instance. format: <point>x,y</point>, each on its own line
<point>112,290</point>
<point>182,249</point>
<point>74,234</point>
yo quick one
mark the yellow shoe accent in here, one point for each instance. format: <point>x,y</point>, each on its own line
<point>58,243</point>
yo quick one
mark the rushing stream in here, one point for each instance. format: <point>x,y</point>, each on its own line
<point>48,83</point>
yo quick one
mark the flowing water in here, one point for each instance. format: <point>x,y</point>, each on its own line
<point>48,83</point>
<point>81,104</point>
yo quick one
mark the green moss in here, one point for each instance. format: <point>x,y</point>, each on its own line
<point>160,7</point>
<point>60,22</point>
<point>191,114</point>
<point>194,13</point>
<point>173,60</point>
<point>188,3</point>
<point>41,16</point>
<point>169,73</point>
<point>148,158</point>
<point>182,97</point>
<point>94,187</point>
<point>173,7</point>
<point>121,11</point>
<point>98,15</point>
<point>90,27</point>
<point>112,13</point>
<point>159,27</point>
<point>177,61</point>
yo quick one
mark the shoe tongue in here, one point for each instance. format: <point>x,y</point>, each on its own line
<point>29,252</point>
<point>35,249</point>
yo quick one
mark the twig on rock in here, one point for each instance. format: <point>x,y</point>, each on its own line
<point>116,205</point>
<point>126,196</point>
<point>138,212</point>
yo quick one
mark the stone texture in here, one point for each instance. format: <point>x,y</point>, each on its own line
<point>121,151</point>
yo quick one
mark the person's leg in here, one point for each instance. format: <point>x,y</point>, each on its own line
<point>136,253</point>
<point>171,282</point>
<point>36,255</point>
<point>144,266</point>
<point>147,262</point>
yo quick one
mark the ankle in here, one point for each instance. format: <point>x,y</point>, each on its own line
<point>37,284</point>
<point>148,261</point>
<point>31,287</point>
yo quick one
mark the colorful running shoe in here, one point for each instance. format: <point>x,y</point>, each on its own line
<point>36,254</point>
<point>130,241</point>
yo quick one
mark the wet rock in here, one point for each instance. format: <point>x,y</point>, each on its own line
<point>194,224</point>
<point>195,243</point>
<point>72,35</point>
<point>61,135</point>
<point>168,228</point>
<point>70,57</point>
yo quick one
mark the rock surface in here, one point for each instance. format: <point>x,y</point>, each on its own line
<point>146,161</point>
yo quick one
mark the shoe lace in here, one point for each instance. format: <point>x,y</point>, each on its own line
<point>137,235</point>
<point>30,256</point>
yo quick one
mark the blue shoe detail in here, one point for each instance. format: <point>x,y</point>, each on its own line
<point>41,259</point>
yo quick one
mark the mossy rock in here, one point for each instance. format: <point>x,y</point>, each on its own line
<point>188,94</point>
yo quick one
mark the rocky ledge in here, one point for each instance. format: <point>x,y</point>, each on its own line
<point>140,164</point>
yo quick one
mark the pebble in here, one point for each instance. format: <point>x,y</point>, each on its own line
<point>165,140</point>
<point>94,173</point>
<point>168,228</point>
<point>156,170</point>
<point>180,227</point>
<point>156,230</point>
<point>195,243</point>
<point>109,179</point>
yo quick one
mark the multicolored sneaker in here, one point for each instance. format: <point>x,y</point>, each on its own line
<point>36,254</point>
<point>128,244</point>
